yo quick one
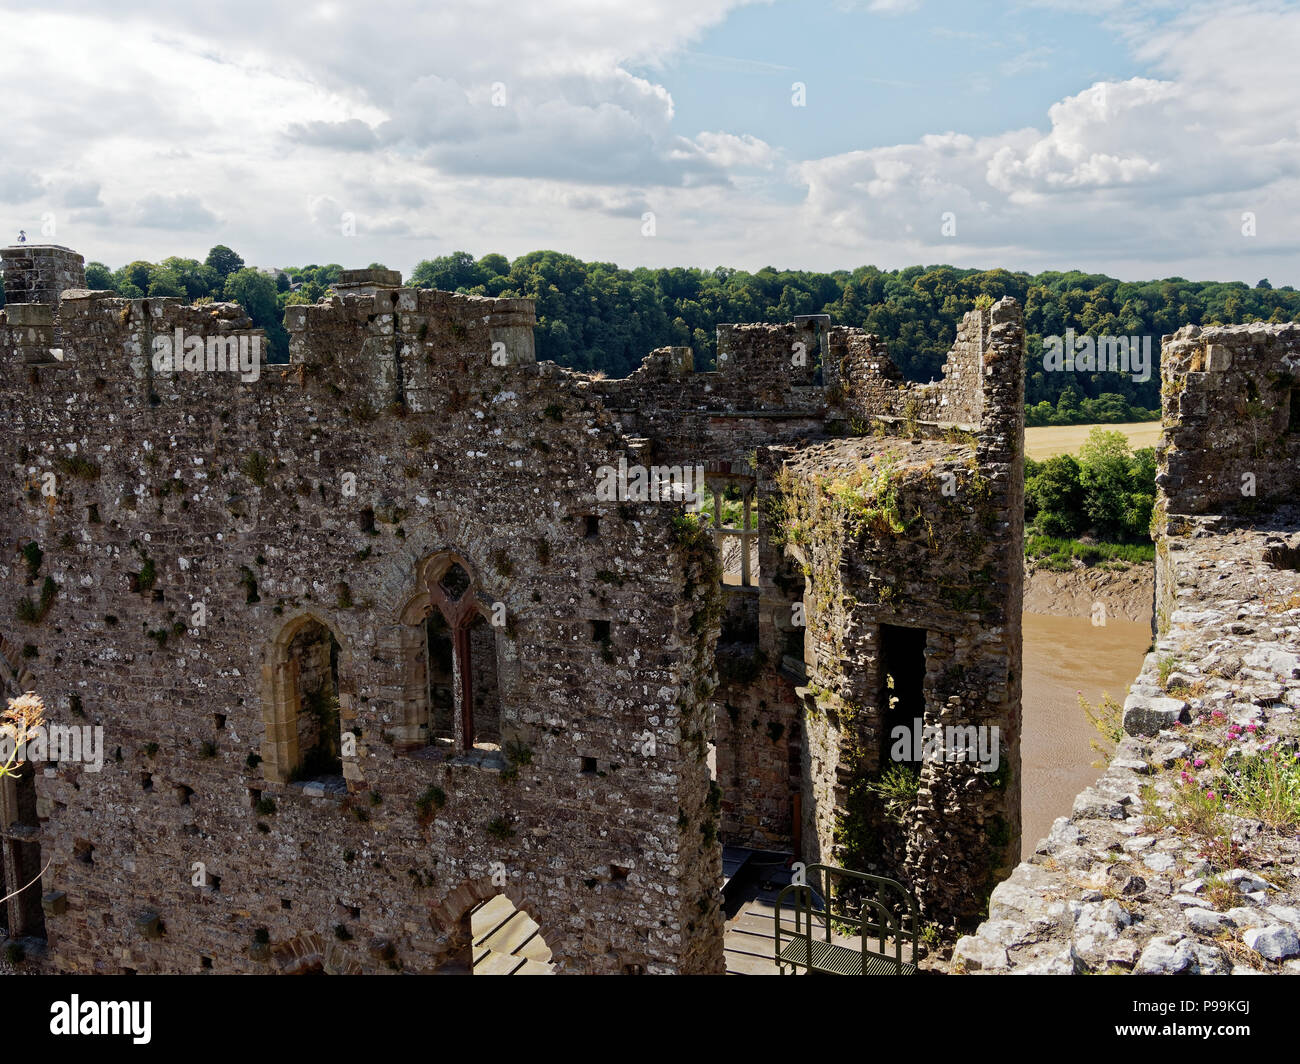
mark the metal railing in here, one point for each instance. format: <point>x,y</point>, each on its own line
<point>875,920</point>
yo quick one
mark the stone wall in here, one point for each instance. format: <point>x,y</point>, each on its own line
<point>1231,439</point>
<point>763,392</point>
<point>230,568</point>
<point>1163,865</point>
<point>198,521</point>
<point>912,538</point>
<point>786,781</point>
<point>870,386</point>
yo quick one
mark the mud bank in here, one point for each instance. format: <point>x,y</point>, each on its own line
<point>1127,594</point>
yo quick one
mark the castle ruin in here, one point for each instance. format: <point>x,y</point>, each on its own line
<point>371,641</point>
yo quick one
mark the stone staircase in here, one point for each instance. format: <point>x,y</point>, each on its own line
<point>506,941</point>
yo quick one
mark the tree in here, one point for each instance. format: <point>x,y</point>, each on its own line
<point>138,275</point>
<point>1057,496</point>
<point>449,273</point>
<point>224,261</point>
<point>98,276</point>
<point>165,283</point>
<point>1105,474</point>
<point>196,279</point>
<point>1141,501</point>
<point>1069,400</point>
<point>255,292</point>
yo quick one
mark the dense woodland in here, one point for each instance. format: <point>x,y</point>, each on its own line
<point>596,316</point>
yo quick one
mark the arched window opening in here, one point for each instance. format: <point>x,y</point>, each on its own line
<point>452,680</point>
<point>303,714</point>
<point>484,725</point>
<point>455,582</point>
<point>314,657</point>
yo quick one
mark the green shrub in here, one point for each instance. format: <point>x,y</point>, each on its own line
<point>897,789</point>
<point>433,799</point>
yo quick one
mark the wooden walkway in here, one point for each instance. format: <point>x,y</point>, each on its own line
<point>749,938</point>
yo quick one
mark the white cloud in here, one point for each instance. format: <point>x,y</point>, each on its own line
<point>80,194</point>
<point>172,210</point>
<point>729,151</point>
<point>1141,172</point>
<point>892,7</point>
<point>276,122</point>
<point>18,185</point>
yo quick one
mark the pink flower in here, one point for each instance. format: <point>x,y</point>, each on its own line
<point>1209,795</point>
<point>1199,762</point>
<point>1217,714</point>
<point>1250,728</point>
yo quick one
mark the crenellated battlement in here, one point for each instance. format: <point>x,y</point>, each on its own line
<point>382,344</point>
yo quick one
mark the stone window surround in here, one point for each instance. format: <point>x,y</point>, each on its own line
<point>716,486</point>
<point>459,614</point>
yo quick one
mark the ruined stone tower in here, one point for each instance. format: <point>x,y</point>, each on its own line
<point>368,644</point>
<point>40,273</point>
<point>883,589</point>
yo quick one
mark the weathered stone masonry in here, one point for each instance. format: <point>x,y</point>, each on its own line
<point>366,645</point>
<point>196,488</point>
<point>801,732</point>
<point>1114,888</point>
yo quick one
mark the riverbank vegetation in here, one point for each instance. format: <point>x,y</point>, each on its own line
<point>1094,508</point>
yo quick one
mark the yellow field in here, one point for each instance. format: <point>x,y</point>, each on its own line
<point>1047,440</point>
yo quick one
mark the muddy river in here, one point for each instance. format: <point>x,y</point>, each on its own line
<point>1065,656</point>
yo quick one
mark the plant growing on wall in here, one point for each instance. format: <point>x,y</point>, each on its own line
<point>897,789</point>
<point>20,723</point>
<point>34,612</point>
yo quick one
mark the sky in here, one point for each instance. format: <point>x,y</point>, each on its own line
<point>1143,138</point>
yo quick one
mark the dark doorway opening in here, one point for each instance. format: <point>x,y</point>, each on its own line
<point>25,917</point>
<point>902,689</point>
